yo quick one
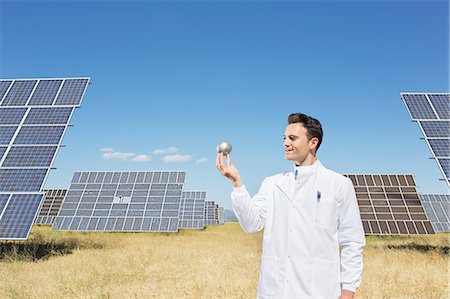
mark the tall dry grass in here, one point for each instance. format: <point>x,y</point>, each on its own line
<point>218,262</point>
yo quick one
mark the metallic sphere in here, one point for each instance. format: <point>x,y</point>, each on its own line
<point>224,147</point>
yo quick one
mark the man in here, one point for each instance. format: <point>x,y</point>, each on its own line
<point>306,214</point>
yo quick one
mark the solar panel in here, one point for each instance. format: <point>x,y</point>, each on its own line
<point>440,104</point>
<point>122,201</point>
<point>19,93</point>
<point>50,206</point>
<point>18,214</point>
<point>192,213</point>
<point>435,128</point>
<point>389,204</point>
<point>437,208</point>
<point>211,216</point>
<point>432,112</point>
<point>222,215</point>
<point>33,118</point>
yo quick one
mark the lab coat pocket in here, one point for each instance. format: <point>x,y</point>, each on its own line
<point>326,278</point>
<point>325,216</point>
<point>270,280</point>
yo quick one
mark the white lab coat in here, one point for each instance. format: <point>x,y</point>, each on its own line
<point>303,228</point>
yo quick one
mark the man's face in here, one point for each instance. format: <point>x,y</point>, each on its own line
<point>297,146</point>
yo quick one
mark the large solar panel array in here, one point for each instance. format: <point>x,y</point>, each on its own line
<point>122,201</point>
<point>50,206</point>
<point>432,113</point>
<point>193,209</point>
<point>389,204</point>
<point>437,207</point>
<point>34,115</point>
<point>211,213</point>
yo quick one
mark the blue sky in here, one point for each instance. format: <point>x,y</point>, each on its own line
<point>185,75</point>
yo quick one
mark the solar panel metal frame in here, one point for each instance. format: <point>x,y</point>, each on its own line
<point>73,211</point>
<point>437,118</point>
<point>26,107</point>
<point>390,202</point>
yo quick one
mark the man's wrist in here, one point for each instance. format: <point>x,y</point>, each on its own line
<point>237,183</point>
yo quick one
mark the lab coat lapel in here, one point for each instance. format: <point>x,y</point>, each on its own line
<point>286,184</point>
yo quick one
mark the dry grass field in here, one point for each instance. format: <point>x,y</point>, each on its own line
<point>218,262</point>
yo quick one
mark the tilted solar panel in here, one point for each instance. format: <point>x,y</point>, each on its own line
<point>34,115</point>
<point>389,204</point>
<point>122,201</point>
<point>193,209</point>
<point>437,208</point>
<point>432,112</point>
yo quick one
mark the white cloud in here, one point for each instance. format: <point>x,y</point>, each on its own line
<point>141,158</point>
<point>176,158</point>
<point>169,150</point>
<point>106,149</point>
<point>117,155</point>
<point>201,160</point>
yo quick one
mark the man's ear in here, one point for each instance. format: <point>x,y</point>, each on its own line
<point>313,143</point>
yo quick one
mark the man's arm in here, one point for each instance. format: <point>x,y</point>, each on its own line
<point>352,240</point>
<point>251,213</point>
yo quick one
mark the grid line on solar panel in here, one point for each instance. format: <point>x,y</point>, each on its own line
<point>435,128</point>
<point>440,147</point>
<point>71,92</point>
<point>419,106</point>
<point>4,86</point>
<point>441,104</point>
<point>6,134</point>
<point>30,156</point>
<point>49,116</point>
<point>12,180</point>
<point>18,216</point>
<point>45,92</point>
<point>50,135</point>
<point>11,116</point>
<point>19,93</point>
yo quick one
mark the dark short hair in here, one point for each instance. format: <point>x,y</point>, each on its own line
<point>312,125</point>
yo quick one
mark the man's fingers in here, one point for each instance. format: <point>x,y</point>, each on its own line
<point>228,160</point>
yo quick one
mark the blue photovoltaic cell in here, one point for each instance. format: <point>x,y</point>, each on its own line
<point>192,213</point>
<point>435,128</point>
<point>6,134</point>
<point>19,215</point>
<point>19,93</point>
<point>418,106</point>
<point>39,135</point>
<point>445,164</point>
<point>51,116</point>
<point>30,156</point>
<point>45,92</point>
<point>26,180</point>
<point>11,116</point>
<point>441,147</point>
<point>4,85</point>
<point>441,103</point>
<point>71,92</point>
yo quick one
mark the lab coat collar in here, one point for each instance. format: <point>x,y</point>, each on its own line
<point>286,183</point>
